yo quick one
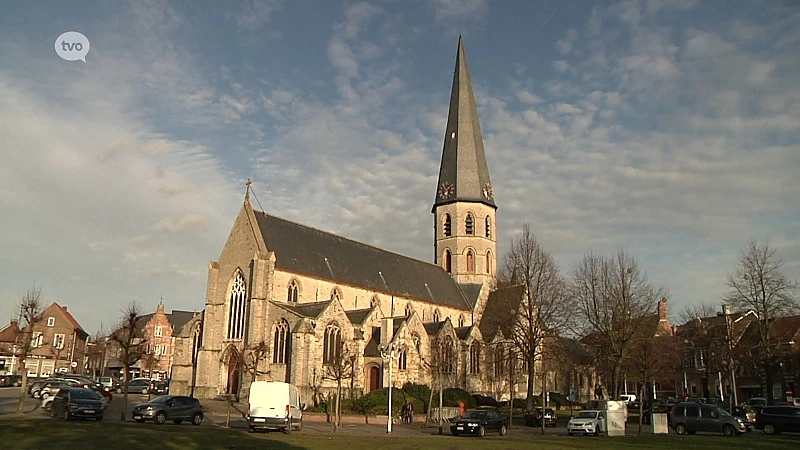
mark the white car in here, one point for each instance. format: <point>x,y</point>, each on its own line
<point>587,422</point>
<point>628,398</point>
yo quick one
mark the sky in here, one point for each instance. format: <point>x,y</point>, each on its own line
<point>668,128</point>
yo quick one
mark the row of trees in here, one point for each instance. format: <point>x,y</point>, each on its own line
<point>608,304</point>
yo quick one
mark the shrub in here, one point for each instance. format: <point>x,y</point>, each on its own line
<point>453,396</point>
<point>421,392</point>
<point>377,402</point>
<point>482,400</point>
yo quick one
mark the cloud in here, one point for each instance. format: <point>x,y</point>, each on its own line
<point>254,14</point>
<point>459,9</point>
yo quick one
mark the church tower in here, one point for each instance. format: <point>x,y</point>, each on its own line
<point>465,242</point>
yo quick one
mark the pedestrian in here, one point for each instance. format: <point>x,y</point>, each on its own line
<point>410,410</point>
<point>461,409</point>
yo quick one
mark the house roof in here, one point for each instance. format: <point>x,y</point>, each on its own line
<point>463,173</point>
<point>371,349</point>
<point>70,319</point>
<point>499,312</point>
<point>433,328</point>
<point>308,251</point>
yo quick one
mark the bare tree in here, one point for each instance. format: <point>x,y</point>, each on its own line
<point>758,283</point>
<point>545,308</point>
<point>130,345</point>
<point>650,354</point>
<point>341,367</point>
<point>252,359</point>
<point>612,295</point>
<point>698,311</point>
<point>30,314</point>
<point>704,345</point>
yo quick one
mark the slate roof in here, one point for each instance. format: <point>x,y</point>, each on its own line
<point>308,310</point>
<point>371,349</point>
<point>463,158</point>
<point>308,251</point>
<point>178,319</point>
<point>471,292</point>
<point>463,332</point>
<point>358,316</point>
<point>433,327</point>
<point>498,311</point>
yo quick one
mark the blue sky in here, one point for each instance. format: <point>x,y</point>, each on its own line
<point>669,128</point>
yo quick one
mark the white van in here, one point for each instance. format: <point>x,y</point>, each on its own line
<point>274,405</point>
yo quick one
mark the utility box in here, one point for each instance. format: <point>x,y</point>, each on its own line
<point>660,423</point>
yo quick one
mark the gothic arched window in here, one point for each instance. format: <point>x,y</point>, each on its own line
<point>408,310</point>
<point>402,361</point>
<point>488,227</point>
<point>499,360</point>
<point>436,316</point>
<point>474,358</point>
<point>280,347</point>
<point>489,262</point>
<point>237,307</point>
<point>336,294</point>
<point>447,354</point>
<point>448,261</point>
<point>375,302</point>
<point>460,320</point>
<point>332,344</point>
<point>448,226</point>
<point>470,261</point>
<point>469,224</point>
<point>291,296</point>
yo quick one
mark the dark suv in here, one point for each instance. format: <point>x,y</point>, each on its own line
<point>776,419</point>
<point>534,419</point>
<point>72,402</point>
<point>11,380</point>
<point>689,418</point>
<point>176,408</point>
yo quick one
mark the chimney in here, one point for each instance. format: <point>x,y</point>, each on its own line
<point>387,330</point>
<point>65,308</point>
<point>726,310</point>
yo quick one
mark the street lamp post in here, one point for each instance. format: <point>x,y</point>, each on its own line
<point>389,354</point>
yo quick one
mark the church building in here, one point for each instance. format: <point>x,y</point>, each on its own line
<point>286,301</point>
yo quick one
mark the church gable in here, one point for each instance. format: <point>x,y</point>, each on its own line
<point>500,311</point>
<point>304,250</point>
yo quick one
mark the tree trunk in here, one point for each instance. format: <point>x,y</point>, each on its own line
<point>23,359</point>
<point>430,404</point>
<point>614,394</point>
<point>769,380</point>
<point>337,421</point>
<point>531,383</point>
<point>125,381</point>
<point>706,390</point>
<point>544,394</point>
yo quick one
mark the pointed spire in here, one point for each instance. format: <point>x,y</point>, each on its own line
<point>463,174</point>
<point>247,192</point>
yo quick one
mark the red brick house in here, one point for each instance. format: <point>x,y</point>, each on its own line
<point>58,343</point>
<point>9,349</point>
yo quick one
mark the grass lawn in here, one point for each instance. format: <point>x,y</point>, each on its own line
<point>25,433</point>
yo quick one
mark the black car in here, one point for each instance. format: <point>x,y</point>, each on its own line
<point>176,408</point>
<point>778,419</point>
<point>11,380</point>
<point>479,422</point>
<point>534,419</point>
<point>77,403</point>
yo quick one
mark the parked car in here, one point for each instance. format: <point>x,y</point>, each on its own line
<point>479,422</point>
<point>587,422</point>
<point>77,403</point>
<point>176,408</point>
<point>689,418</point>
<point>656,408</point>
<point>747,414</point>
<point>35,386</point>
<point>108,383</point>
<point>51,388</point>
<point>160,388</point>
<point>11,380</point>
<point>778,419</point>
<point>103,392</point>
<point>628,398</point>
<point>757,401</point>
<point>137,385</point>
<point>534,418</point>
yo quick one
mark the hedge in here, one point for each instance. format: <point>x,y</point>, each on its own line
<point>454,396</point>
<point>377,402</point>
<point>420,392</point>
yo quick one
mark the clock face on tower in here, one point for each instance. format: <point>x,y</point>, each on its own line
<point>446,190</point>
<point>487,191</point>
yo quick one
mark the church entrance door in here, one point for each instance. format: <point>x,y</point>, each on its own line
<point>374,378</point>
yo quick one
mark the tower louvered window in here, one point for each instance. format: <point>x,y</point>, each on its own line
<point>470,224</point>
<point>488,227</point>
<point>238,308</point>
<point>448,228</point>
<point>470,261</point>
<point>448,261</point>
